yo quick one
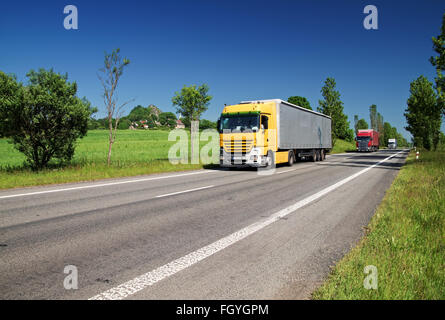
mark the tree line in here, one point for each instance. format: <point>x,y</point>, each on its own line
<point>426,103</point>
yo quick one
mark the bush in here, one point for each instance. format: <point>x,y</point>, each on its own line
<point>44,118</point>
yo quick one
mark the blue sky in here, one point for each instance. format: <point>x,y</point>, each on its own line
<point>242,49</point>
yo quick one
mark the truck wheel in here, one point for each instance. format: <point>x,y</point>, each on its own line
<point>290,160</point>
<point>314,156</point>
<point>323,155</point>
<point>270,160</point>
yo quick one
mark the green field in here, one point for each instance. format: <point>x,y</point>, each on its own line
<point>135,152</point>
<point>405,240</point>
<point>343,146</point>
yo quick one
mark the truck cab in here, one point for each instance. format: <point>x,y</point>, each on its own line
<point>244,134</point>
<point>367,140</point>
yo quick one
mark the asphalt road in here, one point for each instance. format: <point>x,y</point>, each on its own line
<point>208,234</point>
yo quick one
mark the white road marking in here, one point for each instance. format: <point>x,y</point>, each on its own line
<point>179,192</point>
<point>285,171</point>
<point>150,278</point>
<point>106,184</point>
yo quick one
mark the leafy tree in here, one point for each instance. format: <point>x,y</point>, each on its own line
<point>355,123</point>
<point>333,107</point>
<point>191,101</point>
<point>110,75</point>
<point>423,113</point>
<point>167,119</point>
<point>124,123</point>
<point>139,113</point>
<point>439,63</point>
<point>206,124</point>
<point>45,118</point>
<point>362,124</point>
<point>300,101</point>
<point>373,116</point>
<point>380,129</point>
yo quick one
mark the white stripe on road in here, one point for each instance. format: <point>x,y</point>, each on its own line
<point>285,171</point>
<point>106,184</point>
<point>150,278</point>
<point>179,192</point>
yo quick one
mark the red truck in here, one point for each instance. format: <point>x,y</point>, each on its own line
<point>367,140</point>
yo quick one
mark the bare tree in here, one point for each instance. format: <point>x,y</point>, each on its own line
<point>109,76</point>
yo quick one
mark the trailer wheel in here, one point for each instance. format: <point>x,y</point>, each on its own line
<point>323,155</point>
<point>314,155</point>
<point>290,160</point>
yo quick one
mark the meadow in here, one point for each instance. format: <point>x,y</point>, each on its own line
<point>135,152</point>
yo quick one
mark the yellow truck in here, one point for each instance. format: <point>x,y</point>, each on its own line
<point>267,132</point>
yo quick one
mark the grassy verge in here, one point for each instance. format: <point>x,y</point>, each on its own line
<point>405,240</point>
<point>135,152</point>
<point>343,146</point>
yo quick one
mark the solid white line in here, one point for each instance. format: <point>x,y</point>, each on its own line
<point>105,184</point>
<point>139,283</point>
<point>179,192</point>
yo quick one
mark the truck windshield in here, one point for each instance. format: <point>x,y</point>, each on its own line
<point>240,123</point>
<point>363,138</point>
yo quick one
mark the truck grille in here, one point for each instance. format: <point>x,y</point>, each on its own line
<point>363,145</point>
<point>238,146</point>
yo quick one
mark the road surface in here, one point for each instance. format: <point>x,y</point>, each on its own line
<point>207,234</point>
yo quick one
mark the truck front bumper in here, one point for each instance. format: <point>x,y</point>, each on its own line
<point>254,158</point>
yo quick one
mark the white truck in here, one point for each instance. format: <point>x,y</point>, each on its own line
<point>392,144</point>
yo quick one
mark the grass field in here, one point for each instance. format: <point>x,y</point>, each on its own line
<point>135,152</point>
<point>405,240</point>
<point>343,146</point>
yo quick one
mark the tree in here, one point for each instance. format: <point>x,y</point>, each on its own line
<point>373,116</point>
<point>206,124</point>
<point>380,129</point>
<point>138,113</point>
<point>191,102</point>
<point>45,118</point>
<point>423,113</point>
<point>362,124</point>
<point>167,119</point>
<point>110,75</point>
<point>439,63</point>
<point>333,107</point>
<point>300,101</point>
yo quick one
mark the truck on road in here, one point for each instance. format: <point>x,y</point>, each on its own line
<point>367,140</point>
<point>268,132</point>
<point>392,144</point>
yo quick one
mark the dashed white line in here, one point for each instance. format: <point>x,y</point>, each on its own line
<point>179,192</point>
<point>139,283</point>
<point>285,171</point>
<point>105,184</point>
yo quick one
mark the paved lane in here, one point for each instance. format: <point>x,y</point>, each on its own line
<point>116,230</point>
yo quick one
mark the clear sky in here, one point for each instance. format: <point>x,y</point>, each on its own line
<point>245,49</point>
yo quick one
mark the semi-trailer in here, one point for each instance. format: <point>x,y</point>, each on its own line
<point>267,132</point>
<point>367,140</point>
